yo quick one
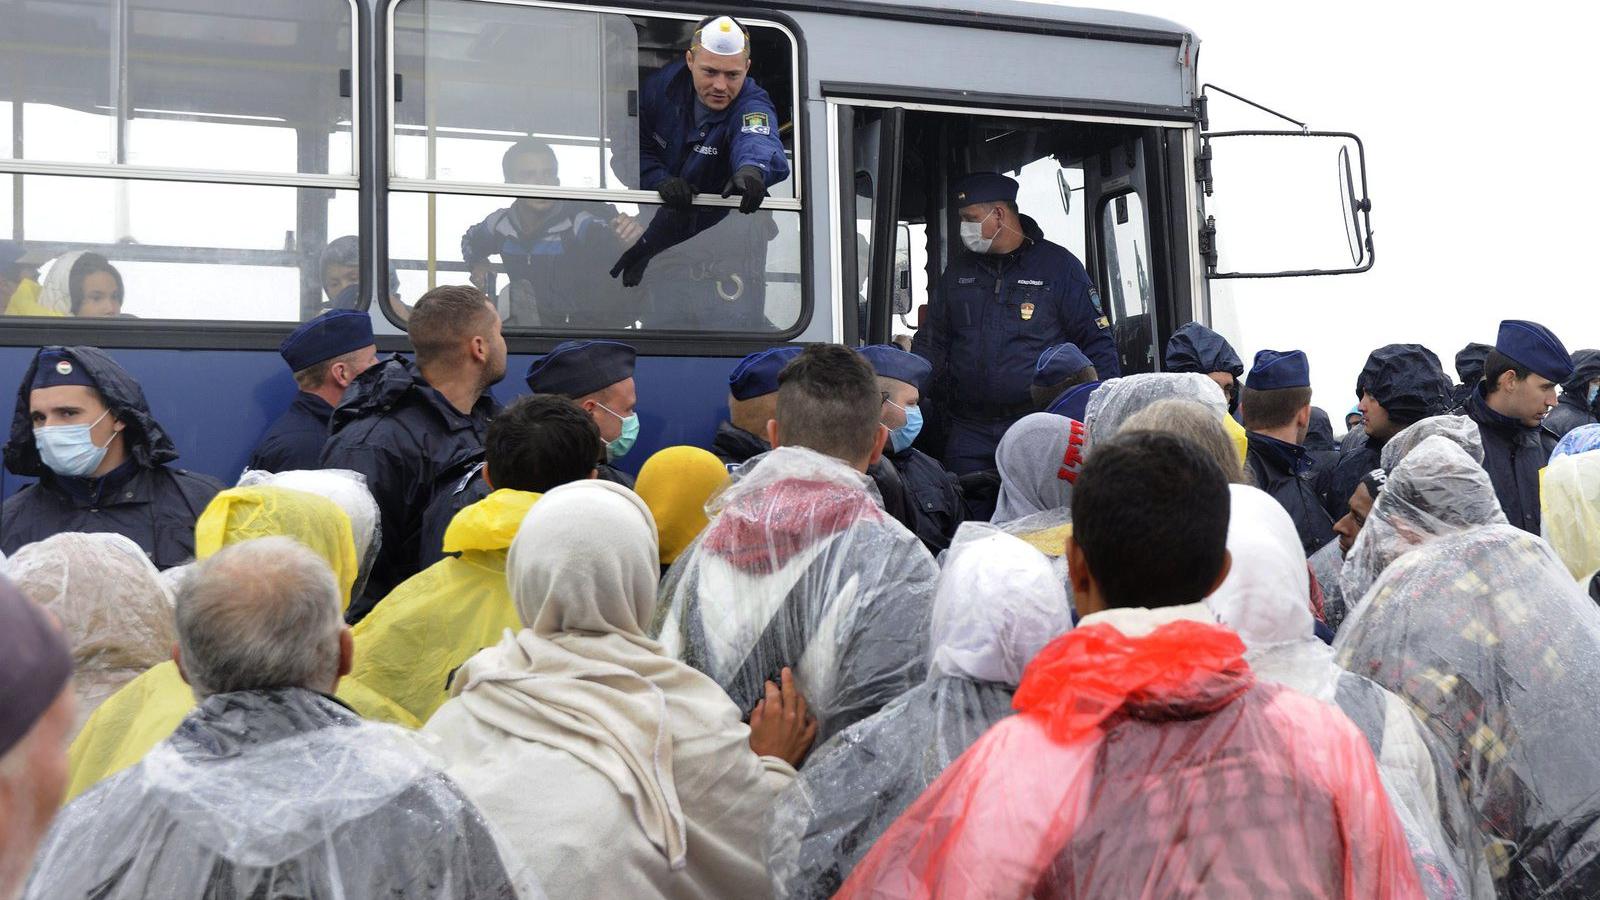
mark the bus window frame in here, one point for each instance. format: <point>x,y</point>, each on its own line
<point>536,339</point>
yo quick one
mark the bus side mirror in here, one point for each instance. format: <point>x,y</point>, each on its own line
<point>1284,203</point>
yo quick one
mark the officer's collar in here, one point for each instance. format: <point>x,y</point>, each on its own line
<point>1488,415</point>
<point>1292,456</point>
<point>118,486</point>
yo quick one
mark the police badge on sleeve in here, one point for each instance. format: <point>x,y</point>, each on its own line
<point>756,123</point>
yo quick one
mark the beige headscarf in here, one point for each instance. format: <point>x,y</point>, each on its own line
<point>583,677</point>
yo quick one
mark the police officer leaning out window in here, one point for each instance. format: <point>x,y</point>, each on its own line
<point>997,307</point>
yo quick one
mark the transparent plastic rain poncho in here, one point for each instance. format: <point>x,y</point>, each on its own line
<point>1036,473</point>
<point>1118,399</point>
<point>1569,494</point>
<point>1487,638</point>
<point>999,602</point>
<point>1149,766</point>
<point>1262,600</point>
<point>344,487</point>
<point>801,567</point>
<point>1326,565</point>
<point>1459,430</point>
<point>110,601</point>
<point>1436,490</point>
<point>275,794</point>
<point>1582,439</point>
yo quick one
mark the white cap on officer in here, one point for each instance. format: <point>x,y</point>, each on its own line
<point>723,36</point>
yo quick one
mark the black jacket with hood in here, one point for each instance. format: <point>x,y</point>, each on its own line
<point>145,500</point>
<point>1574,408</point>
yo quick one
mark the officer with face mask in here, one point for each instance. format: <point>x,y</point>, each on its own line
<point>598,376</point>
<point>83,427</point>
<point>997,308</point>
<point>934,495</point>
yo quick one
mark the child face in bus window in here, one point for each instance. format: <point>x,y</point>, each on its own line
<point>336,277</point>
<point>101,299</point>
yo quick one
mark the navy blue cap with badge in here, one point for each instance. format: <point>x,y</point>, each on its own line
<point>1058,363</point>
<point>1536,348</point>
<point>983,187</point>
<point>57,368</point>
<point>1276,370</point>
<point>579,368</point>
<point>334,333</point>
<point>890,361</point>
<point>1074,401</point>
<point>757,374</point>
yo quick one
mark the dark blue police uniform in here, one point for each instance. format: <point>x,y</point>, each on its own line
<point>934,495</point>
<point>144,499</point>
<point>576,369</point>
<point>1281,468</point>
<point>295,440</point>
<point>991,318</point>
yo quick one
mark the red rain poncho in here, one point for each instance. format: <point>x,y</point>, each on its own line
<point>1150,767</point>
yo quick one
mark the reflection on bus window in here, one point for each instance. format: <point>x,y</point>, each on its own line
<point>1127,256</point>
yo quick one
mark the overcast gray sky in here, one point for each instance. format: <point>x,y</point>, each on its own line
<point>1480,147</point>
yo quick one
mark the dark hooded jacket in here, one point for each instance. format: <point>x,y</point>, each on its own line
<point>1513,454</point>
<point>295,440</point>
<point>145,500</point>
<point>1409,383</point>
<point>1574,408</point>
<point>1284,471</point>
<point>1196,348</point>
<point>405,437</point>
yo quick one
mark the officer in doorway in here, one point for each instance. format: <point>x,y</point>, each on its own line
<point>996,309</point>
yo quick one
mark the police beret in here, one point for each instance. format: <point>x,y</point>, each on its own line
<point>1534,347</point>
<point>1058,363</point>
<point>1407,381</point>
<point>1278,369</point>
<point>983,187</point>
<point>1196,348</point>
<point>55,368</point>
<point>331,334</point>
<point>1074,401</point>
<point>577,368</point>
<point>757,374</point>
<point>890,361</point>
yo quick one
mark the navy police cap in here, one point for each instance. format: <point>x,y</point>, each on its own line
<point>757,374</point>
<point>55,367</point>
<point>578,368</point>
<point>890,361</point>
<point>1058,363</point>
<point>1275,370</point>
<point>1535,347</point>
<point>334,333</point>
<point>983,187</point>
<point>1074,401</point>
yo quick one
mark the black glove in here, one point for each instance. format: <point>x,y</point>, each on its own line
<point>631,264</point>
<point>677,193</point>
<point>749,184</point>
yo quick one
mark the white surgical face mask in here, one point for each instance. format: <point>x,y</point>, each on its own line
<point>972,235</point>
<point>69,450</point>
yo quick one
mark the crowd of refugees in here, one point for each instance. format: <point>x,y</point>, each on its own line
<point>914,624</point>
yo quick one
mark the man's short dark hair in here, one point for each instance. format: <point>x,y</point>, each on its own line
<point>1043,395</point>
<point>828,401</point>
<point>1272,409</point>
<point>1150,512</point>
<point>1497,364</point>
<point>445,318</point>
<point>528,146</point>
<point>539,442</point>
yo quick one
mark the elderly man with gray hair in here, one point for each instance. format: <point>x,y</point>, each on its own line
<point>272,787</point>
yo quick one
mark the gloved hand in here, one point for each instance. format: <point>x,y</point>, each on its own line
<point>749,184</point>
<point>677,194</point>
<point>631,264</point>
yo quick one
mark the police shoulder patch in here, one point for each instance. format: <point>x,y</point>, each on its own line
<point>756,123</point>
<point>1094,297</point>
<point>1102,323</point>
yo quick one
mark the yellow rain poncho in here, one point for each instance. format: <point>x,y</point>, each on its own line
<point>676,483</point>
<point>437,619</point>
<point>1239,437</point>
<point>146,710</point>
<point>1569,493</point>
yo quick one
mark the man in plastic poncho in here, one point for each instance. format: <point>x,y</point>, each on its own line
<point>1145,759</point>
<point>800,566</point>
<point>414,641</point>
<point>271,787</point>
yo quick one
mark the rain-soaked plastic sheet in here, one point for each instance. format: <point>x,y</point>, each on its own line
<point>801,567</point>
<point>344,487</point>
<point>1150,767</point>
<point>1115,401</point>
<point>1487,637</point>
<point>999,601</point>
<point>276,794</point>
<point>111,603</point>
<point>1436,490</point>
<point>1459,430</point>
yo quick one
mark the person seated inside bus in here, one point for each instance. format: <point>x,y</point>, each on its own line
<point>706,127</point>
<point>325,355</point>
<point>19,280</point>
<point>997,307</point>
<point>94,287</point>
<point>553,252</point>
<point>83,428</point>
<point>340,268</point>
